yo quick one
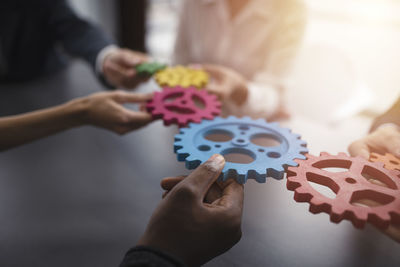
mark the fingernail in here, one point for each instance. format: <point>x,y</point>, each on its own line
<point>216,162</point>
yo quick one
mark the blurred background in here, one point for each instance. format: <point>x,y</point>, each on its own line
<point>352,43</point>
<point>348,61</point>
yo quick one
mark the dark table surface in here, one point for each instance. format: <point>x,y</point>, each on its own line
<point>83,197</point>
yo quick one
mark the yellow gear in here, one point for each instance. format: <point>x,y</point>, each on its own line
<point>182,76</point>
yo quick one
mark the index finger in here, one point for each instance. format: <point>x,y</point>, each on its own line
<point>126,97</point>
<point>130,59</point>
<point>359,148</point>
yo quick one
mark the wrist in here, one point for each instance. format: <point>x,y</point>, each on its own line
<point>76,111</point>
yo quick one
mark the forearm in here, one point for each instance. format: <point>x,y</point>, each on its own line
<point>20,129</point>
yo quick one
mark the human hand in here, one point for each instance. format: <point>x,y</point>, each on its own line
<point>226,83</point>
<point>119,68</point>
<point>106,110</point>
<point>190,228</point>
<point>383,140</point>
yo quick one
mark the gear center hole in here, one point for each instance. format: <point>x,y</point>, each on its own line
<point>265,140</point>
<point>198,102</point>
<point>377,177</point>
<point>370,198</point>
<point>238,155</point>
<point>218,135</point>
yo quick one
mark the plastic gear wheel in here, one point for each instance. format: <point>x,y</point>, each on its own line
<point>193,146</point>
<point>149,68</point>
<point>391,162</point>
<point>350,186</point>
<point>178,105</point>
<point>182,76</point>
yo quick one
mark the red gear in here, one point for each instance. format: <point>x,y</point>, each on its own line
<point>182,108</point>
<point>349,187</point>
<point>390,161</point>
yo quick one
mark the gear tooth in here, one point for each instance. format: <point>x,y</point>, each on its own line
<point>324,154</point>
<point>261,179</point>
<point>310,156</point>
<point>292,169</point>
<point>180,156</point>
<point>192,164</point>
<point>300,156</point>
<point>277,174</point>
<point>361,215</point>
<point>177,148</point>
<point>292,163</point>
<point>241,179</point>
<point>231,117</point>
<point>337,211</point>
<point>298,136</point>
<point>301,196</point>
<point>342,154</point>
<point>302,143</point>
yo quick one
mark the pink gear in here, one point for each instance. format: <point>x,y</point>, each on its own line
<point>178,105</point>
<point>366,192</point>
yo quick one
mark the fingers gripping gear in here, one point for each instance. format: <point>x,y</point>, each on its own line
<point>359,197</point>
<point>181,106</point>
<point>391,162</point>
<point>232,135</point>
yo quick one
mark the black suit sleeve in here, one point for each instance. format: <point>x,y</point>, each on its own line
<point>141,256</point>
<point>77,36</point>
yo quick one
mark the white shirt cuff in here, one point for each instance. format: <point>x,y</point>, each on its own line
<point>262,102</point>
<point>101,56</point>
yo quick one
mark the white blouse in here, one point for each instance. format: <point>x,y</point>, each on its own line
<point>260,42</point>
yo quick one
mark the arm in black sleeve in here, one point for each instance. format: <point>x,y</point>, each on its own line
<point>77,36</point>
<point>141,256</point>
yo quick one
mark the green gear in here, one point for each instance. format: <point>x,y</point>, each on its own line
<point>149,68</point>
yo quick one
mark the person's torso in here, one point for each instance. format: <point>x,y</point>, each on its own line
<point>26,44</point>
<point>243,43</point>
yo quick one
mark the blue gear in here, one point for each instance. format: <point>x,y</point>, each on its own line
<point>192,147</point>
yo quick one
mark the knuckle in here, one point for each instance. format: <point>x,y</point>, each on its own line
<point>119,94</point>
<point>209,168</point>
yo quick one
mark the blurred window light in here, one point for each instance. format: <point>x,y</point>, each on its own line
<point>358,11</point>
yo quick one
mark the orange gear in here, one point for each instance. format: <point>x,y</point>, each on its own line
<point>350,186</point>
<point>390,161</point>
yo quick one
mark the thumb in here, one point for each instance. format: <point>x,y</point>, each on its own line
<point>205,175</point>
<point>359,148</point>
<point>139,118</point>
<point>128,59</point>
